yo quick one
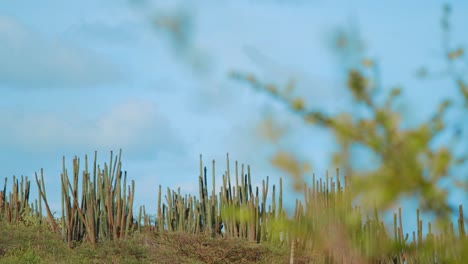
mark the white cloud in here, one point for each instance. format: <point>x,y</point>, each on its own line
<point>30,59</point>
<point>135,126</point>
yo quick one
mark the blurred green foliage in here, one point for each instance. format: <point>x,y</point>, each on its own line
<point>408,162</point>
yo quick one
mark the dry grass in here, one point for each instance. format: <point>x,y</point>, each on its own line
<point>20,244</point>
<point>186,248</point>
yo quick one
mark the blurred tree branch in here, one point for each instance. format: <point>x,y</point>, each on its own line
<point>409,164</point>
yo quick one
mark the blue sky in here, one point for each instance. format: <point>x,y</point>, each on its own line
<point>82,76</point>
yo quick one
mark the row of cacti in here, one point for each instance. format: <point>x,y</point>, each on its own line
<point>15,206</point>
<point>103,210</point>
<point>235,210</point>
<point>327,210</point>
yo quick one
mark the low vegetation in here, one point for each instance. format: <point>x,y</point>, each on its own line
<point>239,223</point>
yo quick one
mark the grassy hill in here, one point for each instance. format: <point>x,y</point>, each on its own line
<point>235,225</point>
